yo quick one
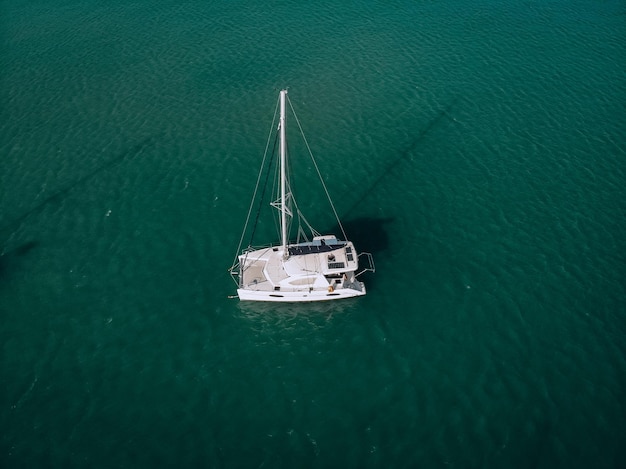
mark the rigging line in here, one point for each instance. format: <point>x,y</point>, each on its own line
<point>290,197</point>
<point>276,198</point>
<point>332,206</point>
<point>267,176</point>
<point>297,211</point>
<point>256,187</point>
<point>301,217</point>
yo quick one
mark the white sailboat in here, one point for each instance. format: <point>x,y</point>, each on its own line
<point>312,268</point>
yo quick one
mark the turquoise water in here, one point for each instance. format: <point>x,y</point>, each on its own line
<point>477,149</point>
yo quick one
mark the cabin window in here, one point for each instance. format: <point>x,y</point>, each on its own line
<point>336,265</point>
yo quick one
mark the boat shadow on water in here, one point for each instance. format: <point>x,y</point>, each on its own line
<point>10,256</point>
<point>9,260</point>
<point>70,187</point>
<point>406,153</point>
<point>369,234</point>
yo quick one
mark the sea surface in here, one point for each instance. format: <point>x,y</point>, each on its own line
<point>476,148</point>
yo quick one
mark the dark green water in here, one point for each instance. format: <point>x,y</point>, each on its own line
<point>477,149</point>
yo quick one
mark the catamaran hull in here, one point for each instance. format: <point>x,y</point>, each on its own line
<point>322,269</point>
<point>299,296</point>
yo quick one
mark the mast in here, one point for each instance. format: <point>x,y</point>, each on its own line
<point>283,183</point>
